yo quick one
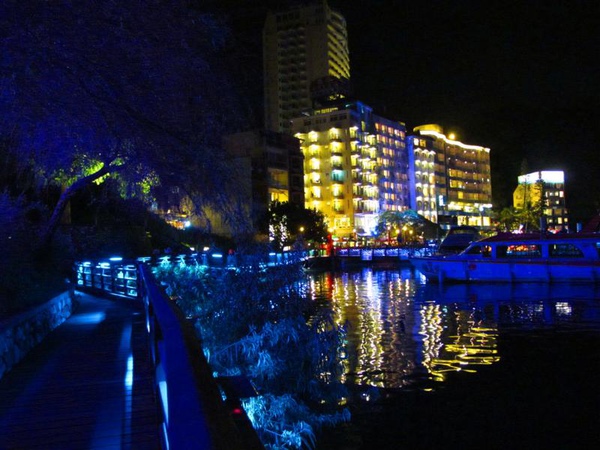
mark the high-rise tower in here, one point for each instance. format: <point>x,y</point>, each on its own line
<point>302,47</point>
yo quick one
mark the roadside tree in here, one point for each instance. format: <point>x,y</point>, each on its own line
<point>127,90</point>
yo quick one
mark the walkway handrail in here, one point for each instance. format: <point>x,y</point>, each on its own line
<point>193,414</point>
<point>192,411</point>
<point>114,277</point>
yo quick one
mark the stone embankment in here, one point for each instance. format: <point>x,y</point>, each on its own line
<point>20,333</point>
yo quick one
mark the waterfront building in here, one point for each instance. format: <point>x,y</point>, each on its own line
<point>301,46</point>
<point>355,166</point>
<point>273,165</point>
<point>463,186</point>
<point>548,187</point>
<point>421,169</point>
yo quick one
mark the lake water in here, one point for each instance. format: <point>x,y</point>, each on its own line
<point>464,366</point>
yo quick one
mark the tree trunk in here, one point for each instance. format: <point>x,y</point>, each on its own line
<point>63,202</point>
<point>57,214</point>
<point>66,215</point>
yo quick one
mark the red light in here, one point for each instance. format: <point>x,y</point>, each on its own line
<point>237,411</point>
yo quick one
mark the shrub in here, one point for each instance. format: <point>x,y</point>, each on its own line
<point>257,322</point>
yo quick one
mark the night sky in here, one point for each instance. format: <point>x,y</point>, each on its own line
<point>519,77</point>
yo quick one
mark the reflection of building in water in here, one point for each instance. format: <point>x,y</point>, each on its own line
<point>455,340</point>
<point>431,330</point>
<point>534,313</point>
<point>377,312</point>
<point>399,331</point>
<point>381,350</point>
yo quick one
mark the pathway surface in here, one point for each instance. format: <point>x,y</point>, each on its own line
<point>88,385</point>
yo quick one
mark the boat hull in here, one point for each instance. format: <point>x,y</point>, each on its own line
<point>452,268</point>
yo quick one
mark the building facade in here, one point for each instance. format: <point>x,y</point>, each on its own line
<point>355,166</point>
<point>548,187</point>
<point>274,165</point>
<point>421,163</point>
<point>301,46</point>
<point>462,175</point>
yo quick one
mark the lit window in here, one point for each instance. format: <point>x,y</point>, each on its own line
<point>519,251</point>
<point>565,250</point>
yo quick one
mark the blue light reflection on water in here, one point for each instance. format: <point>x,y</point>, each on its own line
<point>403,331</point>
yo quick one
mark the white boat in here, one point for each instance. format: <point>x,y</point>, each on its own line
<point>458,239</point>
<point>519,258</point>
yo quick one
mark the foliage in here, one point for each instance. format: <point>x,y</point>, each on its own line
<point>257,322</point>
<point>289,223</point>
<point>507,219</point>
<point>98,90</point>
<point>388,220</point>
<point>526,219</point>
<point>282,422</point>
<point>531,216</point>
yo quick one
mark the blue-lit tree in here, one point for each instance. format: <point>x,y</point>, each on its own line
<point>133,91</point>
<point>258,323</point>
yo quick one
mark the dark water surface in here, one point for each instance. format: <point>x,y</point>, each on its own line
<point>491,366</point>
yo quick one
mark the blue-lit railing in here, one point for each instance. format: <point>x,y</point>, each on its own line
<point>217,259</point>
<point>191,408</point>
<point>184,417</point>
<point>115,276</point>
<point>374,253</point>
<point>112,276</point>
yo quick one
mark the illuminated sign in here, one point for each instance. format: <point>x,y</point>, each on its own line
<point>547,176</point>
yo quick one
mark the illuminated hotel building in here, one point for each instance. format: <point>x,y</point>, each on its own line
<point>355,166</point>
<point>301,45</point>
<point>548,185</point>
<point>463,186</point>
<point>421,158</point>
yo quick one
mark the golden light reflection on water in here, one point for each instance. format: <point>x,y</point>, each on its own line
<point>391,340</point>
<point>400,330</point>
<point>471,344</point>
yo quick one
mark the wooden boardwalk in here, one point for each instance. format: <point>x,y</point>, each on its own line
<point>88,385</point>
